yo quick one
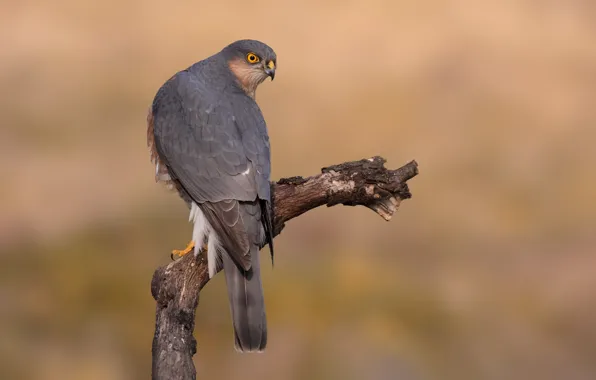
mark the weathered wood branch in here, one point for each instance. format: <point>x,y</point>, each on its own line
<point>176,286</point>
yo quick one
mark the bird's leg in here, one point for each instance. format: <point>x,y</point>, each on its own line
<point>189,248</point>
<point>182,252</point>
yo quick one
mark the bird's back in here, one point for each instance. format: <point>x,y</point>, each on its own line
<point>196,103</point>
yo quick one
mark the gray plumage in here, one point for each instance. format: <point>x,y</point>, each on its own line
<point>210,134</point>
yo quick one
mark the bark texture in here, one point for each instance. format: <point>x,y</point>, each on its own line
<point>176,286</point>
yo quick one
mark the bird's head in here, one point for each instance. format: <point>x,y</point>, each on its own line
<point>251,62</point>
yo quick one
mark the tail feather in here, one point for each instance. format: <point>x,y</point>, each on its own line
<point>247,303</point>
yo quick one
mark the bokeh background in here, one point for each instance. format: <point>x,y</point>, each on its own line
<point>488,272</point>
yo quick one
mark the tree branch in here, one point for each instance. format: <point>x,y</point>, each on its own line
<point>176,286</point>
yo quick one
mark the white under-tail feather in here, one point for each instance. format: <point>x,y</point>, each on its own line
<point>214,261</point>
<point>201,229</point>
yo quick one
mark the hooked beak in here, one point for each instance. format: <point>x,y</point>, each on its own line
<point>270,69</point>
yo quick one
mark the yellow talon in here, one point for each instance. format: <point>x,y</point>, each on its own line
<point>184,251</point>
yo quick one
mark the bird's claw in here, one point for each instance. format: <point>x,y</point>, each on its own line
<point>182,252</point>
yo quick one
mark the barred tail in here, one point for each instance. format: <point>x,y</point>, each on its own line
<point>247,303</point>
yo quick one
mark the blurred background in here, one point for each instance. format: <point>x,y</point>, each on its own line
<point>488,272</point>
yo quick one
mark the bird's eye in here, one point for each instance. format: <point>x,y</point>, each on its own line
<point>252,58</point>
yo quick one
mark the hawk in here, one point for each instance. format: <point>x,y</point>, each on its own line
<point>208,140</point>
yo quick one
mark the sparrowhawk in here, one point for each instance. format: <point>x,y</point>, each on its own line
<point>209,141</point>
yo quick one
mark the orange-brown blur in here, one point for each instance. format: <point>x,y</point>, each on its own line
<point>488,272</point>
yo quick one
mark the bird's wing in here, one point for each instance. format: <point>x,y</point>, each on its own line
<point>218,151</point>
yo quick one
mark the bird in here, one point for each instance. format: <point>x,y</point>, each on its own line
<point>208,140</point>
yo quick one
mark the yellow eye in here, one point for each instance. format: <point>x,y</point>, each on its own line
<point>252,58</point>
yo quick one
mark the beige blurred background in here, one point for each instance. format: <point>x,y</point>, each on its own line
<point>488,272</point>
